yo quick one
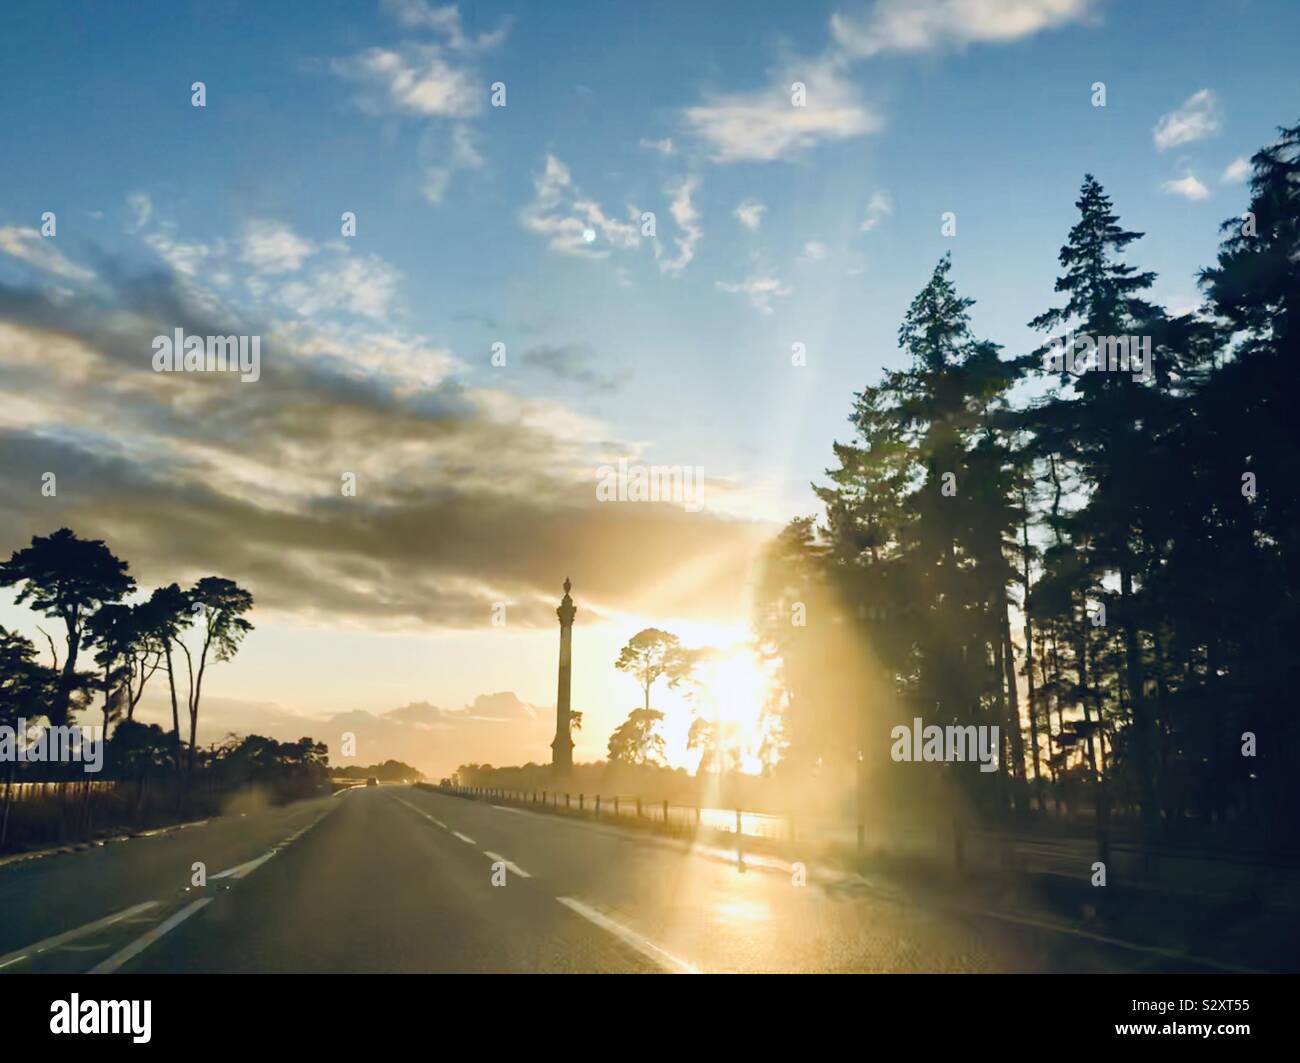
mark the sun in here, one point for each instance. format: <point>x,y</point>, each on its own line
<point>734,688</point>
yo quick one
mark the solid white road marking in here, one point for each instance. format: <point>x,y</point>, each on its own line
<point>243,870</point>
<point>145,940</point>
<point>643,945</point>
<point>462,837</point>
<point>511,866</point>
<point>10,958</point>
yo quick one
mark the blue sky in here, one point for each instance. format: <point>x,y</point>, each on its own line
<point>470,224</point>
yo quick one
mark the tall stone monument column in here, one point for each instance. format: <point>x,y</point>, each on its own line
<point>562,746</point>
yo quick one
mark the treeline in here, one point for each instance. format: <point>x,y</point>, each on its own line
<point>388,771</point>
<point>82,584</point>
<point>139,785</point>
<point>649,780</point>
<point>1097,553</point>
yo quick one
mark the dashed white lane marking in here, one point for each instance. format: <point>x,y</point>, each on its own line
<point>145,940</point>
<point>243,870</point>
<point>642,944</point>
<point>168,830</point>
<point>511,866</point>
<point>239,871</point>
<point>419,811</point>
<point>10,958</point>
<point>464,838</point>
<point>503,808</point>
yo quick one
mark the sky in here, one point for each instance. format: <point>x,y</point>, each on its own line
<point>640,209</point>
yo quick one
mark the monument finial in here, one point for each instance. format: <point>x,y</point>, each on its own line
<point>567,585</point>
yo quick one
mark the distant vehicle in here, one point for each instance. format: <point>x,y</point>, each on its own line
<point>372,781</point>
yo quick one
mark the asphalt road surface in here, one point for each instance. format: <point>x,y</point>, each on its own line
<point>397,879</point>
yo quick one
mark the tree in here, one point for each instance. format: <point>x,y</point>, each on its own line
<point>1092,430</point>
<point>26,689</point>
<point>637,739</point>
<point>167,615</point>
<point>219,603</point>
<point>69,578</point>
<point>112,630</point>
<point>718,744</point>
<point>25,684</point>
<point>145,654</point>
<point>653,654</point>
<point>920,517</point>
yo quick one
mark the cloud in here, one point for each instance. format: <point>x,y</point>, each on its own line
<point>664,147</point>
<point>458,153</point>
<point>1198,117</point>
<point>687,219</point>
<point>572,223</point>
<point>881,206</point>
<point>766,125</point>
<point>750,214</point>
<point>27,245</point>
<point>574,364</point>
<point>497,728</point>
<point>188,259</point>
<point>273,247</point>
<point>434,80</point>
<point>363,285</point>
<point>415,79</point>
<point>1236,171</point>
<point>813,251</point>
<point>466,495</point>
<point>1188,187</point>
<point>933,25</point>
<point>141,210</point>
<point>761,290</point>
<point>445,20</point>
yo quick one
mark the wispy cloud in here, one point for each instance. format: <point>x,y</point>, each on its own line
<point>760,290</point>
<point>813,251</point>
<point>445,20</point>
<point>27,245</point>
<point>771,123</point>
<point>1188,187</point>
<point>768,124</point>
<point>362,285</point>
<point>881,206</point>
<point>437,80</point>
<point>572,223</point>
<point>1236,171</point>
<point>446,156</point>
<point>574,364</point>
<point>932,25</point>
<point>273,247</point>
<point>750,214</point>
<point>415,79</point>
<point>687,219</point>
<point>1198,117</point>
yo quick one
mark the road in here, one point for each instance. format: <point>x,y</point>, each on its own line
<point>399,879</point>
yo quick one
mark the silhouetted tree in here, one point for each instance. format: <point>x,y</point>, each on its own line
<point>637,739</point>
<point>168,614</point>
<point>653,654</point>
<point>68,578</point>
<point>218,604</point>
